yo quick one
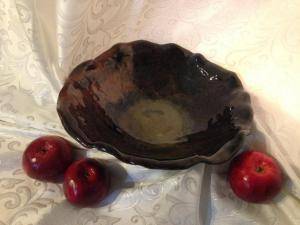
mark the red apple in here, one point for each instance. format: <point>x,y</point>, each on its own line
<point>255,177</point>
<point>47,158</point>
<point>86,182</point>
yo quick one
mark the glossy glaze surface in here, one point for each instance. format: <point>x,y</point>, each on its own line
<point>160,106</point>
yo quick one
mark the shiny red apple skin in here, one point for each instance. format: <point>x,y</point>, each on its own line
<point>47,157</point>
<point>255,176</point>
<point>86,182</point>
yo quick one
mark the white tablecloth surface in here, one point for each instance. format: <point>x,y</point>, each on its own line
<point>41,41</point>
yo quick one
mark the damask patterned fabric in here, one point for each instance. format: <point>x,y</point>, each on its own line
<point>41,41</point>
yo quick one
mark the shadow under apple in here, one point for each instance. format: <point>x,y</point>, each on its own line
<point>68,214</point>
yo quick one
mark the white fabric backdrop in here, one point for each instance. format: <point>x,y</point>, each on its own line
<point>41,41</point>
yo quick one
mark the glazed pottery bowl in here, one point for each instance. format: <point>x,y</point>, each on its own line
<point>160,106</point>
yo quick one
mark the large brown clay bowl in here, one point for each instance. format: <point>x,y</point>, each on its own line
<point>160,106</point>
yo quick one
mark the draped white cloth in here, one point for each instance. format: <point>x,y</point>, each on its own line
<point>41,41</point>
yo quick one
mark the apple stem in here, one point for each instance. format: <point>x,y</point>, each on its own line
<point>43,150</point>
<point>86,174</point>
<point>259,169</point>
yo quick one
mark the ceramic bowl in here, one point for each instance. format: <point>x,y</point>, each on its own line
<point>160,106</point>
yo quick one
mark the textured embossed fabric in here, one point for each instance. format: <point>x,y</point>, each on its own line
<point>41,41</point>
